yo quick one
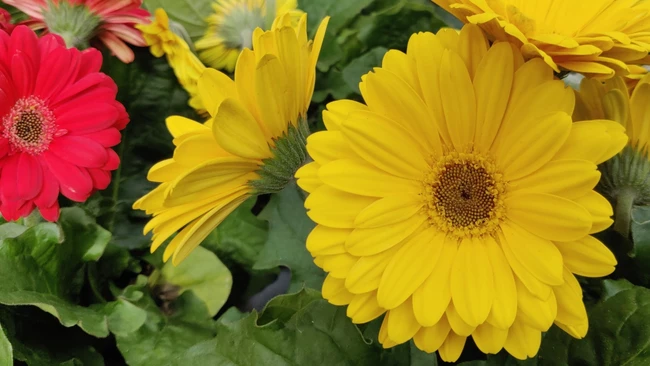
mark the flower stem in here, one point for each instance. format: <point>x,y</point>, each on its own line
<point>623,211</point>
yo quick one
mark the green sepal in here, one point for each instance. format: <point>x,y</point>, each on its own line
<point>289,154</point>
<point>76,24</point>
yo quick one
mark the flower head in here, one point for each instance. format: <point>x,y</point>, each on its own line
<point>458,200</point>
<point>231,25</point>
<point>253,143</point>
<point>598,38</point>
<point>79,21</point>
<point>163,41</point>
<point>58,121</point>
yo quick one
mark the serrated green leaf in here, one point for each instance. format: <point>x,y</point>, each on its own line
<point>202,273</point>
<point>6,351</point>
<point>309,332</point>
<point>190,14</point>
<point>285,246</point>
<point>341,12</point>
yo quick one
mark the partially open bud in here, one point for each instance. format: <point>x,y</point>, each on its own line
<point>625,177</point>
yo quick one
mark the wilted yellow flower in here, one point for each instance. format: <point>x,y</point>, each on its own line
<point>595,37</point>
<point>458,200</point>
<point>231,25</point>
<point>625,177</point>
<point>253,143</point>
<point>162,41</point>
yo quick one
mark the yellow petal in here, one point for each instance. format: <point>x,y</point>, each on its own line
<point>403,66</point>
<point>323,240</point>
<point>365,275</point>
<point>363,242</point>
<point>271,90</point>
<point>389,210</point>
<point>164,171</point>
<point>390,96</point>
<point>587,257</point>
<point>600,209</point>
<point>334,291</point>
<point>535,286</point>
<point>197,149</point>
<point>595,141</point>
<point>458,325</point>
<point>492,83</point>
<point>570,308</point>
<point>307,177</point>
<point>472,283</point>
<point>331,207</point>
<point>539,256</point>
<point>504,307</point>
<point>640,114</point>
<point>338,265</point>
<point>215,86</point>
<point>327,146</point>
<point>236,130</point>
<point>245,83</point>
<point>361,178</point>
<point>178,239</point>
<point>402,325</point>
<point>429,339</point>
<point>383,143</point>
<point>566,178</point>
<point>409,268</point>
<point>364,308</point>
<point>452,348</point>
<point>179,126</point>
<point>530,146</point>
<point>205,225</point>
<point>548,216</point>
<point>288,53</point>
<point>523,341</point>
<point>338,110</point>
<point>458,100</point>
<point>431,299</point>
<point>536,313</point>
<point>472,47</point>
<point>489,339</point>
<point>313,58</point>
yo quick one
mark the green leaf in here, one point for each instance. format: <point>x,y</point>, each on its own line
<point>619,333</point>
<point>611,288</point>
<point>6,351</point>
<point>202,273</point>
<point>341,12</point>
<point>285,246</point>
<point>362,65</point>
<point>39,340</point>
<point>190,14</point>
<point>240,237</point>
<point>44,267</point>
<point>167,332</point>
<point>641,238</point>
<point>309,331</point>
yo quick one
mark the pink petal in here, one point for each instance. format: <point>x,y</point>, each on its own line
<point>29,178</point>
<point>74,182</point>
<point>107,138</point>
<point>88,118</point>
<point>117,47</point>
<point>50,191</point>
<point>4,147</point>
<point>123,118</point>
<point>113,160</point>
<point>80,87</point>
<point>101,178</point>
<point>53,75</point>
<point>80,151</point>
<point>12,211</point>
<point>50,213</point>
<point>22,73</point>
<point>91,61</point>
<point>8,181</point>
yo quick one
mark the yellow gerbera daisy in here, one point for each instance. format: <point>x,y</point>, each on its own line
<point>231,25</point>
<point>252,144</point>
<point>187,67</point>
<point>625,176</point>
<point>596,37</point>
<point>458,200</point>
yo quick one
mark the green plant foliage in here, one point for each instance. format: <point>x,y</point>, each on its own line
<point>203,274</point>
<point>190,14</point>
<point>6,351</point>
<point>285,246</point>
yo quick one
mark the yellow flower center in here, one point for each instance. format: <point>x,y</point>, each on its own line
<point>464,195</point>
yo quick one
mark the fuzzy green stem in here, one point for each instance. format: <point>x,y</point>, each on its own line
<point>623,211</point>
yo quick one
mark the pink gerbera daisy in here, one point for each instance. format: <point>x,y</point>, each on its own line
<point>58,121</point>
<point>77,21</point>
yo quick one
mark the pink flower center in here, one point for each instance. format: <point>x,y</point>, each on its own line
<point>30,126</point>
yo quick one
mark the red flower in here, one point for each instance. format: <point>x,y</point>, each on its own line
<point>59,120</point>
<point>111,21</point>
